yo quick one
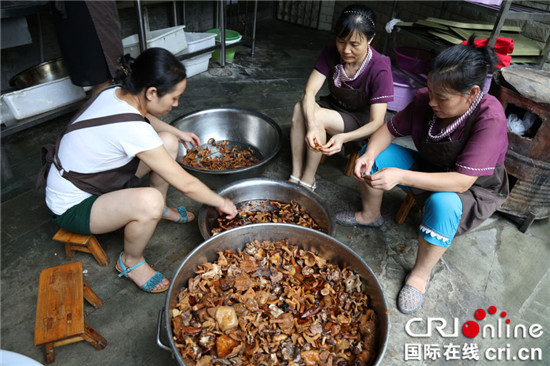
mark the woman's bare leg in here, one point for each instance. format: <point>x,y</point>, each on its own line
<point>171,145</point>
<point>371,201</point>
<point>297,144</point>
<point>427,257</point>
<point>331,122</point>
<point>138,210</point>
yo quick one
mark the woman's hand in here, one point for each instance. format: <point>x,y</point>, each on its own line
<point>363,167</point>
<point>188,137</point>
<point>385,179</point>
<point>334,145</point>
<point>312,138</point>
<point>228,208</point>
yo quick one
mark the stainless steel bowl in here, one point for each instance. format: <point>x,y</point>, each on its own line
<point>39,74</point>
<point>236,125</point>
<point>309,239</point>
<point>272,189</point>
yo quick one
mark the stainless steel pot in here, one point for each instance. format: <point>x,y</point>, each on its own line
<point>272,189</point>
<point>309,239</point>
<point>236,125</point>
<point>39,74</point>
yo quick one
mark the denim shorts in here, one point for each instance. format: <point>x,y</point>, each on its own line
<point>442,210</point>
<point>77,218</point>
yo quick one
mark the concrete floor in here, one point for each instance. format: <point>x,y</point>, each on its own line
<point>494,265</point>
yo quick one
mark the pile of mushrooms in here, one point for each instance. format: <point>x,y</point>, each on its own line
<point>274,304</point>
<point>263,211</point>
<point>222,158</point>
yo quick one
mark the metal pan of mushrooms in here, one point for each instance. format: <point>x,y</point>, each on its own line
<point>272,303</point>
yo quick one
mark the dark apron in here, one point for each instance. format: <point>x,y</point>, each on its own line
<point>483,198</point>
<point>349,101</point>
<point>89,34</point>
<point>93,183</point>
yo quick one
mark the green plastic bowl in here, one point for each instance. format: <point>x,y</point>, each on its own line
<point>231,37</point>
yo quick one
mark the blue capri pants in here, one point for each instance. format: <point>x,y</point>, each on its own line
<point>442,210</point>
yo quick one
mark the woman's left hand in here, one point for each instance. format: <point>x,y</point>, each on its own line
<point>188,137</point>
<point>385,179</point>
<point>334,145</point>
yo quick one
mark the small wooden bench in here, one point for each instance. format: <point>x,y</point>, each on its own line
<point>82,243</point>
<point>60,309</point>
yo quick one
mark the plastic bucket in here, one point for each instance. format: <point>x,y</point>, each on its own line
<point>403,93</point>
<point>413,60</point>
<point>231,37</point>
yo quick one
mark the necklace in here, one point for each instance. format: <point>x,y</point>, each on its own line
<point>453,126</point>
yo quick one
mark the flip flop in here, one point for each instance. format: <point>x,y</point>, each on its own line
<point>184,216</point>
<point>147,286</point>
<point>347,218</point>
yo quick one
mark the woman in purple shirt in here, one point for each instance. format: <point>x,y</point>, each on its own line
<point>457,173</point>
<point>360,85</point>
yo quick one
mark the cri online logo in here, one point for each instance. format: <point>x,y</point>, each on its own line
<point>471,328</point>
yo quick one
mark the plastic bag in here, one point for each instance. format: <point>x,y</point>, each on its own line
<point>520,126</point>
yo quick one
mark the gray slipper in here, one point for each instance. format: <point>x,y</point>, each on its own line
<point>347,218</point>
<point>411,299</point>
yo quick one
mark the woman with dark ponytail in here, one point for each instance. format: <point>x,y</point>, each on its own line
<point>457,173</point>
<point>94,173</point>
<point>360,84</point>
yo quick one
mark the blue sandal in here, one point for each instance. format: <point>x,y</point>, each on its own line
<point>149,285</point>
<point>184,217</point>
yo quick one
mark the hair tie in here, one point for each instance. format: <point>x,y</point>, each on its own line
<point>123,68</point>
<point>360,14</point>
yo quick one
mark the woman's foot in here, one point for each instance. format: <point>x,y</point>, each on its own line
<point>312,187</point>
<point>411,296</point>
<point>350,218</point>
<point>294,179</point>
<point>178,215</point>
<point>141,274</point>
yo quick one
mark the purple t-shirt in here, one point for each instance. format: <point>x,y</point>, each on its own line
<point>379,80</point>
<point>488,142</point>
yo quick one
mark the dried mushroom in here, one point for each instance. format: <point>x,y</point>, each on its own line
<point>267,211</point>
<point>221,157</point>
<point>274,304</point>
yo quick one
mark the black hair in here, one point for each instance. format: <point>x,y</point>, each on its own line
<point>154,67</point>
<point>461,67</point>
<point>356,18</point>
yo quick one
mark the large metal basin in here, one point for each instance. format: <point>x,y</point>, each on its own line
<point>309,239</point>
<point>272,189</point>
<point>42,73</point>
<point>236,125</point>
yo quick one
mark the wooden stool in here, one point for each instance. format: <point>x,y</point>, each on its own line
<point>82,243</point>
<point>349,165</point>
<point>60,309</point>
<point>405,208</point>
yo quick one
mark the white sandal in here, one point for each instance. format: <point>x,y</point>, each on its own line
<point>311,187</point>
<point>298,181</point>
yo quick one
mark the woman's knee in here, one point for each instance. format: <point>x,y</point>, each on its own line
<point>444,204</point>
<point>151,203</point>
<point>170,142</point>
<point>297,114</point>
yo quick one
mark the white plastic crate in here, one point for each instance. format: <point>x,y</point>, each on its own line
<point>42,98</point>
<point>199,41</point>
<point>173,39</point>
<point>196,65</point>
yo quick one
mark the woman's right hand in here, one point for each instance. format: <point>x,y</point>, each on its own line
<point>312,138</point>
<point>228,208</point>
